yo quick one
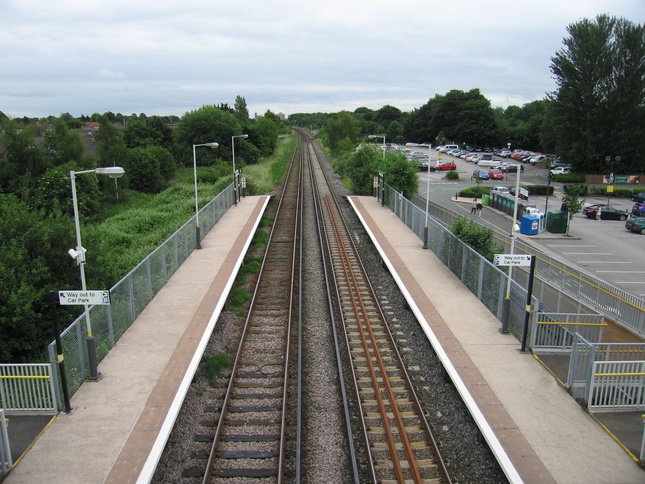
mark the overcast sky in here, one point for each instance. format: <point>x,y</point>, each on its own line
<point>170,57</point>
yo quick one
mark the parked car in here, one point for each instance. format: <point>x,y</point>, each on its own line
<point>495,174</point>
<point>423,165</point>
<point>639,209</point>
<point>639,197</point>
<point>636,224</point>
<point>500,190</point>
<point>524,193</point>
<point>507,167</point>
<point>444,166</point>
<point>607,212</point>
<point>560,170</point>
<point>488,163</point>
<point>479,175</point>
<point>418,154</point>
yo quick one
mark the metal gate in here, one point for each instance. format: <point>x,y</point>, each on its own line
<point>5,449</point>
<point>28,388</point>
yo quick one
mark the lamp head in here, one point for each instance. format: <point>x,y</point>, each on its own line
<point>111,171</point>
<point>77,255</point>
<point>212,145</point>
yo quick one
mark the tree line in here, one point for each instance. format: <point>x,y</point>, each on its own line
<point>36,210</point>
<point>597,110</point>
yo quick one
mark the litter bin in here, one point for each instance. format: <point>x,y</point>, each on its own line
<point>556,221</point>
<point>485,199</point>
<point>529,225</point>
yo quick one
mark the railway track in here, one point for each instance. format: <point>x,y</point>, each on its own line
<point>250,438</point>
<point>400,445</point>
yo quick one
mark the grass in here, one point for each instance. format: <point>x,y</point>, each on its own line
<point>215,364</point>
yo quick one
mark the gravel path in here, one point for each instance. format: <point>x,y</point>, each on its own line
<point>324,455</point>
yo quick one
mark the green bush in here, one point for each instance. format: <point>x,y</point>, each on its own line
<point>239,297</point>
<point>569,178</point>
<point>452,175</point>
<point>215,364</point>
<point>582,189</point>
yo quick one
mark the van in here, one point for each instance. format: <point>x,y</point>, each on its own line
<point>450,147</point>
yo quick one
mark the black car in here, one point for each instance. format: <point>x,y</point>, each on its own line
<point>639,197</point>
<point>607,212</point>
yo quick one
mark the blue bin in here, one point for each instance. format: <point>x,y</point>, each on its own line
<point>530,225</point>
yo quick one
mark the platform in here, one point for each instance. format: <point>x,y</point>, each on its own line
<point>117,430</point>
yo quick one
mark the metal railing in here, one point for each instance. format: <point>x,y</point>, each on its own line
<point>132,294</point>
<point>6,462</point>
<point>617,385</point>
<point>565,288</point>
<point>555,332</point>
<point>27,388</point>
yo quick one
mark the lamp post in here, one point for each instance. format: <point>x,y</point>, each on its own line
<point>425,228</point>
<point>611,176</point>
<point>373,136</point>
<point>506,305</point>
<point>235,174</point>
<point>78,254</point>
<point>198,239</point>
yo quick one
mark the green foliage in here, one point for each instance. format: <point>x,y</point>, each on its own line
<point>341,133</point>
<point>143,171</point>
<point>572,202</point>
<point>399,173</point>
<point>360,168</point>
<point>62,145</point>
<point>600,100</point>
<point>239,297</point>
<point>578,189</point>
<point>452,175</point>
<point>619,192</point>
<point>476,236</point>
<point>569,178</point>
<point>215,364</point>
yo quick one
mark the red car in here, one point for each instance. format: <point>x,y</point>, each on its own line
<point>495,174</point>
<point>445,166</point>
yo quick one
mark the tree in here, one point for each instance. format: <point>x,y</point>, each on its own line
<point>361,167</point>
<point>341,132</point>
<point>572,203</point>
<point>143,171</point>
<point>241,111</point>
<point>401,174</point>
<point>599,106</point>
<point>23,161</point>
<point>149,132</point>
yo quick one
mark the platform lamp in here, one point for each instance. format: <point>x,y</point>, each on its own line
<point>78,254</point>
<point>198,239</point>
<point>506,305</point>
<point>235,194</point>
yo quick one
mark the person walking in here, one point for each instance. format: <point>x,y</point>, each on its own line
<point>479,209</point>
<point>473,207</point>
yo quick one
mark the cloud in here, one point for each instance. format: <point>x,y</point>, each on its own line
<point>168,57</point>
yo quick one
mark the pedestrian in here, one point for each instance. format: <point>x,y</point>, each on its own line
<point>599,214</point>
<point>479,209</point>
<point>473,207</point>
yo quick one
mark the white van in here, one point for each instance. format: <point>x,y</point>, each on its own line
<point>450,147</point>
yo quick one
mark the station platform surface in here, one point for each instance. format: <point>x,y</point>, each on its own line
<point>117,422</point>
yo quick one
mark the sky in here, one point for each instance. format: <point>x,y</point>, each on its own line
<point>171,57</point>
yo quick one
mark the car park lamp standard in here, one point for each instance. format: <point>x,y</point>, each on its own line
<point>198,244</point>
<point>78,255</point>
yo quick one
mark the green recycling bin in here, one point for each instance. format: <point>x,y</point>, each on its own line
<point>485,199</point>
<point>556,221</point>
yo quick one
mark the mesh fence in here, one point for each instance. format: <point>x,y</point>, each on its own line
<point>131,295</point>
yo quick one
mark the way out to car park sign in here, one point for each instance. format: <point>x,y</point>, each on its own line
<point>512,260</point>
<point>73,298</point>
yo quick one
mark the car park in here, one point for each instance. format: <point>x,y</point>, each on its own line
<point>479,175</point>
<point>495,174</point>
<point>639,197</point>
<point>607,212</point>
<point>636,224</point>
<point>523,193</point>
<point>639,209</point>
<point>444,166</point>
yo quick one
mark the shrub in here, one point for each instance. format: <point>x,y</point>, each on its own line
<point>452,175</point>
<point>215,364</point>
<point>580,189</point>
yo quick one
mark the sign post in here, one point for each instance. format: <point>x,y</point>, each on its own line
<point>520,260</point>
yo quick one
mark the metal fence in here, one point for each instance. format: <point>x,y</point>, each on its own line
<point>559,287</point>
<point>27,388</point>
<point>555,332</point>
<point>617,385</point>
<point>5,449</point>
<point>131,295</point>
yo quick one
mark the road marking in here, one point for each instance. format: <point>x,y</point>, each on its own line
<point>587,253</point>
<point>571,246</point>
<point>626,272</point>
<point>601,262</point>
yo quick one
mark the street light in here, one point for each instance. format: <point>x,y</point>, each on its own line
<point>373,136</point>
<point>198,243</point>
<point>234,174</point>
<point>611,177</point>
<point>506,306</point>
<point>78,255</point>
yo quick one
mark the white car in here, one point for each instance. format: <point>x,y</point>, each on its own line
<point>560,170</point>
<point>491,163</point>
<point>500,190</point>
